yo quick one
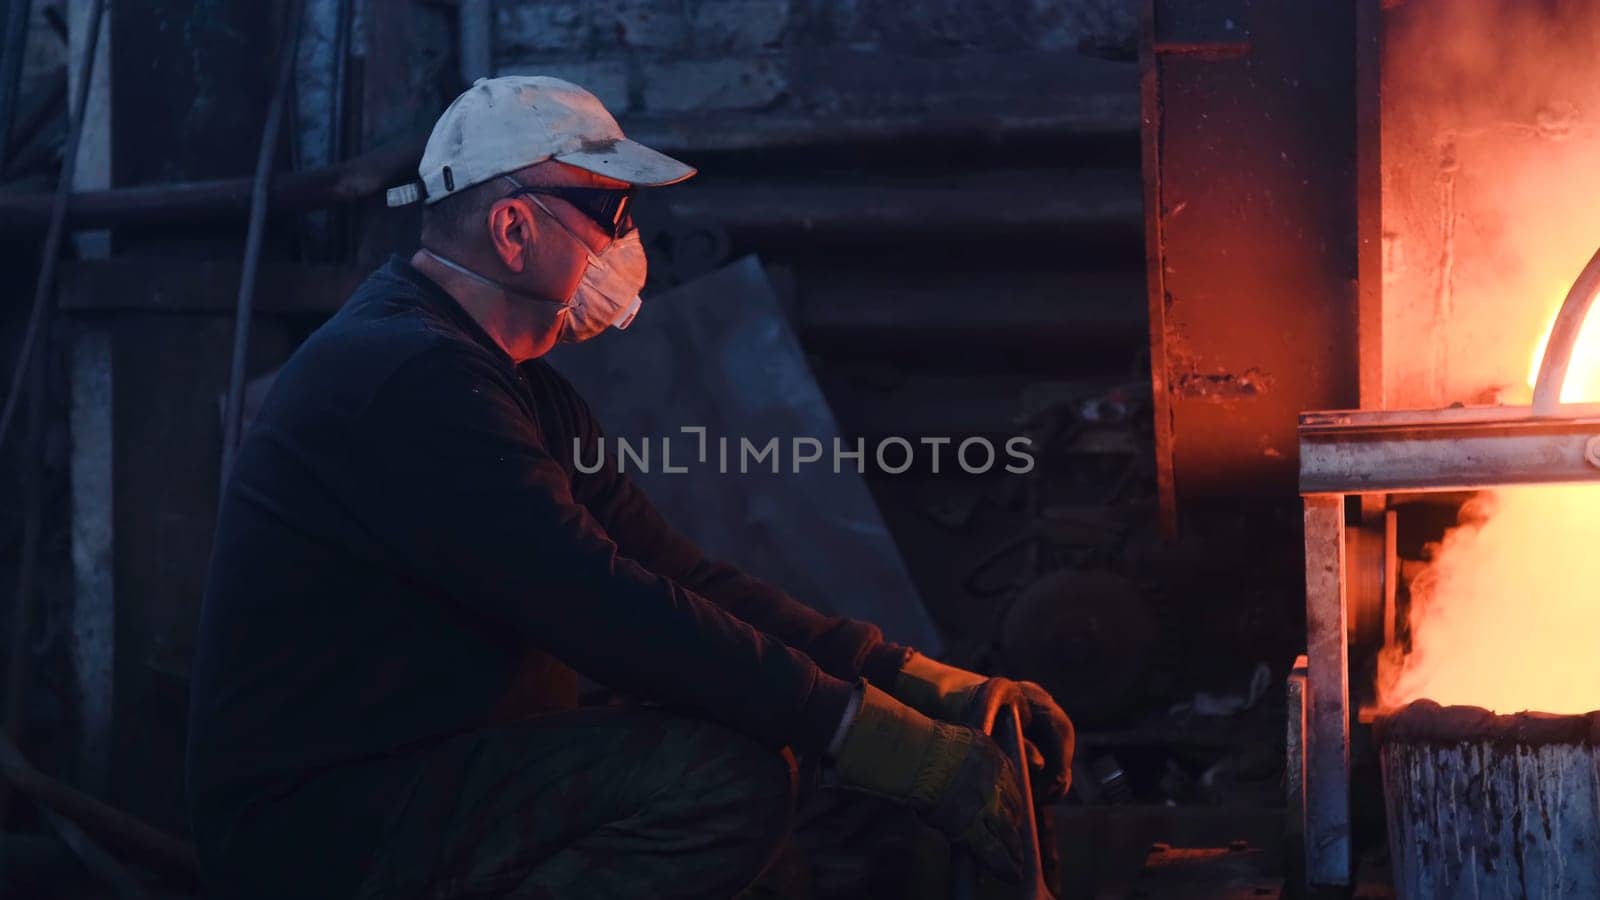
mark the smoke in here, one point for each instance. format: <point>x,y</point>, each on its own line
<point>1491,187</point>
<point>1491,183</point>
<point>1507,614</point>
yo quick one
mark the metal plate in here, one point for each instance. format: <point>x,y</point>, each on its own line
<point>1250,147</point>
<point>718,353</point>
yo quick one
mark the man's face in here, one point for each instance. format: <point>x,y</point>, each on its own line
<point>551,262</point>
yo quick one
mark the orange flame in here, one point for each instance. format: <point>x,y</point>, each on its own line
<point>1506,614</point>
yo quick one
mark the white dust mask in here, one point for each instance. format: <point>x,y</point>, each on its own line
<point>608,293</point>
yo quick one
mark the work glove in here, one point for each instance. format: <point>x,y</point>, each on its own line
<point>954,776</point>
<point>951,694</point>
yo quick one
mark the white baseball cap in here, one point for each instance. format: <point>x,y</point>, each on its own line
<point>500,125</point>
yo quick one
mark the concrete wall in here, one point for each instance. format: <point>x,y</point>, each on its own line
<point>676,56</point>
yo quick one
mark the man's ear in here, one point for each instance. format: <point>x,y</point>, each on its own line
<point>511,232</point>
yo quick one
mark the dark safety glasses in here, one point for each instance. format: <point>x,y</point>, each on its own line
<point>610,208</point>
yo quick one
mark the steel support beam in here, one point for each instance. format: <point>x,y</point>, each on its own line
<point>1250,140</point>
<point>1348,453</point>
<point>1446,450</point>
<point>93,644</point>
<point>1327,733</point>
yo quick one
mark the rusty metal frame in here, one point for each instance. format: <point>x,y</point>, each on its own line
<point>1221,161</point>
<point>1155,273</point>
<point>1352,454</point>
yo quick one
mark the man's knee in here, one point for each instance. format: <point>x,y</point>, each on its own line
<point>725,769</point>
<point>771,782</point>
<point>738,795</point>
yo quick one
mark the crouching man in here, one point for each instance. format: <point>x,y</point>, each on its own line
<point>410,572</point>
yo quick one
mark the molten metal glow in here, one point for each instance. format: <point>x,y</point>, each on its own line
<point>1583,372</point>
<point>1507,613</point>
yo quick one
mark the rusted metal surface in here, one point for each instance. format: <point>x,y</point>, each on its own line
<point>1448,449</point>
<point>1155,274</point>
<point>1488,189</point>
<point>1250,200</point>
<point>1369,216</point>
<point>1327,731</point>
<point>1480,805</point>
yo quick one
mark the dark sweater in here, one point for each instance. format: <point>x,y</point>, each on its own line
<point>406,551</point>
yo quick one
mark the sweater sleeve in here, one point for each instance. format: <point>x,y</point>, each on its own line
<point>452,464</point>
<point>845,648</point>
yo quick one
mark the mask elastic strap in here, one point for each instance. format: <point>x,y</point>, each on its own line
<point>485,280</point>
<point>555,218</point>
<point>633,305</point>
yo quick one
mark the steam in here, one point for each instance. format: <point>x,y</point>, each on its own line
<point>1491,183</point>
<point>1507,615</point>
<point>1491,188</point>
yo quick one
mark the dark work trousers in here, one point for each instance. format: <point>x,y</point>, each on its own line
<point>616,801</point>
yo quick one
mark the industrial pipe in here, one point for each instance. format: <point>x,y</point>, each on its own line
<point>1563,337</point>
<point>198,201</point>
<point>370,173</point>
<point>233,406</point>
